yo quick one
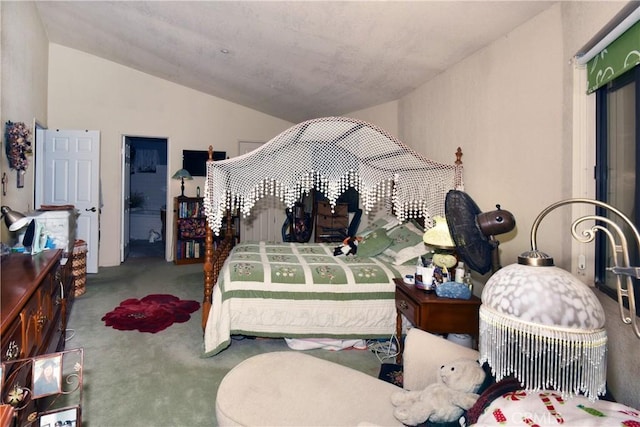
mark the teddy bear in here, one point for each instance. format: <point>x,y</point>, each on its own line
<point>444,401</point>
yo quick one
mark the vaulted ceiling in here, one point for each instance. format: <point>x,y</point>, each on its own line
<point>294,60</point>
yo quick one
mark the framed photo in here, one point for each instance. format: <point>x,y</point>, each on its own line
<point>62,418</point>
<point>47,373</point>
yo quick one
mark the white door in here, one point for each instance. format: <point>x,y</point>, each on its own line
<point>126,195</point>
<point>69,174</point>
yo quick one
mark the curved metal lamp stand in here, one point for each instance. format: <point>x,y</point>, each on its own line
<point>620,269</point>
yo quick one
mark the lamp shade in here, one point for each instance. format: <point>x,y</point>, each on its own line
<point>14,219</point>
<point>182,174</point>
<point>545,327</point>
<point>439,236</point>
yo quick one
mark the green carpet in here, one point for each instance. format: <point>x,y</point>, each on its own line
<point>141,379</point>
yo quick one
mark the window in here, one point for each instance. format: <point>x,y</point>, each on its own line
<point>617,161</point>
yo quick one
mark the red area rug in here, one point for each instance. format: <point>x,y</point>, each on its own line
<point>152,313</point>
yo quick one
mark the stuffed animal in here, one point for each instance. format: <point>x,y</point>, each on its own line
<point>444,401</point>
<point>154,236</point>
<point>349,246</point>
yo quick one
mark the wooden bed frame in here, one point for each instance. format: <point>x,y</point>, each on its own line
<point>215,255</point>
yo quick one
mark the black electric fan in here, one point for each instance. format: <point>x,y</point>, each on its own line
<point>473,231</point>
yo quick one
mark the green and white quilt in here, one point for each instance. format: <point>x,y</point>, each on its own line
<point>299,291</point>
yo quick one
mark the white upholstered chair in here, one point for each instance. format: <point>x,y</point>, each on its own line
<point>296,389</point>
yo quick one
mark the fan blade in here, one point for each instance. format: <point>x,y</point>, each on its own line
<point>472,245</point>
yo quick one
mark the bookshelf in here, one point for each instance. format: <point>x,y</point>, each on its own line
<point>189,230</point>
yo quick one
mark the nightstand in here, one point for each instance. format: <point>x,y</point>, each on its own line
<point>431,313</point>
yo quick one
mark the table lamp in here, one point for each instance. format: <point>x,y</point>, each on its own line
<point>182,174</point>
<point>14,219</point>
<point>545,327</point>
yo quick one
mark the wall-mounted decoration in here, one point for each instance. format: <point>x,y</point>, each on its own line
<point>18,146</point>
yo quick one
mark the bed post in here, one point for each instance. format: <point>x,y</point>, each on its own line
<point>459,183</point>
<point>458,156</point>
<point>208,266</point>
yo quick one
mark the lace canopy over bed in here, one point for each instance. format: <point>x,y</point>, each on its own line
<point>331,155</point>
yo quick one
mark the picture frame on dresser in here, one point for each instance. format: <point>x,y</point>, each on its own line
<point>33,404</point>
<point>47,373</point>
<point>67,417</point>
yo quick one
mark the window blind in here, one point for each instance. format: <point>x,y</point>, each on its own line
<point>614,53</point>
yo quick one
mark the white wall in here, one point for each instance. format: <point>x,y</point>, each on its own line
<point>503,106</point>
<point>385,116</point>
<point>23,84</point>
<point>86,92</point>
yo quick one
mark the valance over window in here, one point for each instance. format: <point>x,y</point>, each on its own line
<point>615,53</point>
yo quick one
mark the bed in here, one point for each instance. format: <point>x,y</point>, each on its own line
<point>301,289</point>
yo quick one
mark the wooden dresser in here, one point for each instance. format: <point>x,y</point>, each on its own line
<point>37,293</point>
<point>331,226</point>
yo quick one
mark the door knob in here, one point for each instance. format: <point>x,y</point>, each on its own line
<point>93,209</point>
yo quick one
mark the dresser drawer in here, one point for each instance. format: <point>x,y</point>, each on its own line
<point>331,222</point>
<point>22,337</point>
<point>32,320</point>
<point>12,343</point>
<point>331,226</point>
<point>340,210</point>
<point>48,302</point>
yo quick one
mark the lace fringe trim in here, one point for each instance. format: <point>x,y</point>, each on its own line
<point>542,357</point>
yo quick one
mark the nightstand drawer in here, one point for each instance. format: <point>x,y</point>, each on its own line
<point>408,308</point>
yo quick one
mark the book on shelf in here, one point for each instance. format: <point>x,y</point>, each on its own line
<point>190,249</point>
<point>190,210</point>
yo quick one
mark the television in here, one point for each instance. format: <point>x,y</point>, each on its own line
<point>195,161</point>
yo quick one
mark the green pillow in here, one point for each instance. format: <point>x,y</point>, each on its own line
<point>407,243</point>
<point>386,222</point>
<point>374,243</point>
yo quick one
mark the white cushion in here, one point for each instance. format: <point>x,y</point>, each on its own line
<point>423,355</point>
<point>295,389</point>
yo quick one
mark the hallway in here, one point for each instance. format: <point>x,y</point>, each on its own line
<point>144,249</point>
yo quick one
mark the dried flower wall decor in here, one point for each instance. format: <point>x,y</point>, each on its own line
<point>18,146</point>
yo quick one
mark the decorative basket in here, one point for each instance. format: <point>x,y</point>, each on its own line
<point>79,267</point>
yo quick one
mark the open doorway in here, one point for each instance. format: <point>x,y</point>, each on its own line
<point>147,197</point>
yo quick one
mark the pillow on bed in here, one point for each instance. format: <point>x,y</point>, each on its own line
<point>407,243</point>
<point>387,222</point>
<point>374,243</point>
